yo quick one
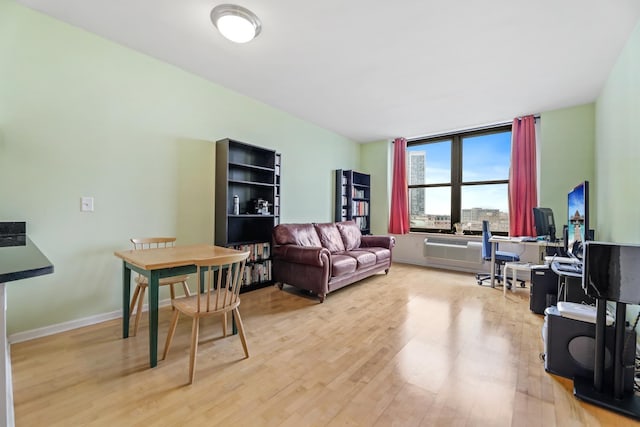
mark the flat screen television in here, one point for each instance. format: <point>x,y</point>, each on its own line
<point>612,271</point>
<point>544,223</point>
<point>578,219</point>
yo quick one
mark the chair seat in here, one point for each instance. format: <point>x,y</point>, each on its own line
<point>189,306</point>
<point>219,283</point>
<point>506,256</point>
<point>142,280</point>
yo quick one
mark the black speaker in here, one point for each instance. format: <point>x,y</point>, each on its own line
<point>570,349</point>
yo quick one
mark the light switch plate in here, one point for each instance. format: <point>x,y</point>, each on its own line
<point>86,204</point>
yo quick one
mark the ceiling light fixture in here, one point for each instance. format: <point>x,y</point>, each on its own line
<point>236,23</point>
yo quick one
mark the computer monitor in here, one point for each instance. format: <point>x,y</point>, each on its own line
<point>578,219</point>
<point>612,271</point>
<point>544,223</point>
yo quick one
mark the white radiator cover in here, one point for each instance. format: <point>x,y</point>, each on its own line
<point>411,249</point>
<point>457,253</point>
<point>469,251</point>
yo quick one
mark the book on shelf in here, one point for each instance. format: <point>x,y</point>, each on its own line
<point>358,194</point>
<point>256,273</point>
<point>257,251</point>
<point>361,222</point>
<point>360,208</point>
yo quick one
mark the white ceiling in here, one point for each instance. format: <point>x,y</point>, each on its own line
<point>373,69</point>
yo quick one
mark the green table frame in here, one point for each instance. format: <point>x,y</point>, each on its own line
<point>153,278</point>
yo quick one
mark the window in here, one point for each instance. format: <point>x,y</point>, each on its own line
<point>461,178</point>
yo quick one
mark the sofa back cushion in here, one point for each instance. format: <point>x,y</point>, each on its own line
<point>296,234</point>
<point>330,237</point>
<point>350,233</point>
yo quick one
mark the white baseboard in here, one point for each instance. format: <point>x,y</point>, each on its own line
<point>72,324</point>
<point>455,265</point>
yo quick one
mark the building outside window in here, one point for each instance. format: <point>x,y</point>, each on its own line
<point>417,161</point>
<point>460,178</point>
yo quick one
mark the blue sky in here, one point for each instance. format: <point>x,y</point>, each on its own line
<point>485,157</point>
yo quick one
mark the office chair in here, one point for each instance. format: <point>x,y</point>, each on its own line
<point>502,257</point>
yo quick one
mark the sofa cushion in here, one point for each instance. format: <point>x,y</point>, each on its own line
<point>330,237</point>
<point>296,234</point>
<point>342,264</point>
<point>350,233</point>
<point>364,258</point>
<point>381,254</point>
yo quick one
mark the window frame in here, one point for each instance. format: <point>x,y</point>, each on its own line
<point>456,183</point>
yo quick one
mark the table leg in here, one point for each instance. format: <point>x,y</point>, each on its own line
<point>154,285</point>
<point>202,279</point>
<point>493,264</point>
<point>234,327</point>
<point>126,295</point>
<point>505,277</point>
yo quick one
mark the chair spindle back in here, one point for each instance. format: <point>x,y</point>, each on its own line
<point>220,281</point>
<point>153,242</point>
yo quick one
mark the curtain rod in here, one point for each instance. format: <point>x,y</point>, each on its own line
<point>474,129</point>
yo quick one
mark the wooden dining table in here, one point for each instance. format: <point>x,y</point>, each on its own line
<point>155,264</point>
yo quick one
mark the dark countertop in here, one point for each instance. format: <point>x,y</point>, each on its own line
<point>20,258</point>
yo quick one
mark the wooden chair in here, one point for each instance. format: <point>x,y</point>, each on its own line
<point>141,281</point>
<point>219,280</point>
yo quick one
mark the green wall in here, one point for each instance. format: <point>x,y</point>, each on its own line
<point>566,150</point>
<point>83,116</point>
<point>618,148</point>
<point>375,159</point>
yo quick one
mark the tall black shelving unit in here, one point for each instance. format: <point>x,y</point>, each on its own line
<point>252,174</point>
<point>353,197</point>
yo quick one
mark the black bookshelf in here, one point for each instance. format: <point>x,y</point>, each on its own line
<point>353,197</point>
<point>252,174</point>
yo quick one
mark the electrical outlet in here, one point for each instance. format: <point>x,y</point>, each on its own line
<point>86,204</point>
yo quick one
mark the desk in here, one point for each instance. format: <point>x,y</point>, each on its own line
<point>494,240</point>
<point>156,264</point>
<point>19,259</point>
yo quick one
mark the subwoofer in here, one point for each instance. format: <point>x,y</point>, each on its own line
<point>570,348</point>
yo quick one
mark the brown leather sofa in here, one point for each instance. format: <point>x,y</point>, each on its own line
<point>324,257</point>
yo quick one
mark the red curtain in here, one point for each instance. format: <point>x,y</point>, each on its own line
<point>523,191</point>
<point>399,215</point>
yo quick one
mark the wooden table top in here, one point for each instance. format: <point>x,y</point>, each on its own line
<point>157,258</point>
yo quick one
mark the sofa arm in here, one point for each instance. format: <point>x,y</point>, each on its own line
<point>378,241</point>
<point>309,255</point>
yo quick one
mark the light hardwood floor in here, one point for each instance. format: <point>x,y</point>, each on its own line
<point>417,347</point>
